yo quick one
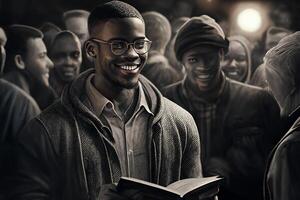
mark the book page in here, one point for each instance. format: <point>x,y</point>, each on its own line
<point>188,185</point>
<point>146,187</point>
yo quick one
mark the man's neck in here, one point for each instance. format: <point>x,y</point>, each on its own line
<point>123,99</point>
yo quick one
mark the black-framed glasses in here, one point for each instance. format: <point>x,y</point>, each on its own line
<point>119,47</point>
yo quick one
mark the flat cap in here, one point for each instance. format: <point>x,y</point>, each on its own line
<point>201,30</point>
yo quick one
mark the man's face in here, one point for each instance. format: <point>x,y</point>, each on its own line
<point>36,60</point>
<point>66,57</point>
<point>235,63</point>
<point>202,66</point>
<point>119,70</point>
<point>78,25</point>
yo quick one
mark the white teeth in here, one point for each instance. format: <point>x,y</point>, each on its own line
<point>129,68</point>
<point>203,76</point>
<point>233,73</point>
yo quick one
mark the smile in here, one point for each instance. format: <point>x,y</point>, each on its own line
<point>129,68</point>
<point>233,73</point>
<point>203,76</point>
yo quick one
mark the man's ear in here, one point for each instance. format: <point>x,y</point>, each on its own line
<point>19,62</point>
<point>222,54</point>
<point>90,48</point>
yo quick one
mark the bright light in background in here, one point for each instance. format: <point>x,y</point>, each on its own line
<point>249,20</point>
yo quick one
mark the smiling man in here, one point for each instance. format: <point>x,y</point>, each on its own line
<point>65,52</point>
<point>110,122</point>
<point>27,64</point>
<point>238,124</point>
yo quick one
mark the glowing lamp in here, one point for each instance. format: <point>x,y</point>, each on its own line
<point>249,20</point>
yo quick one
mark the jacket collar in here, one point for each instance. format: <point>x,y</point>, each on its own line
<point>74,95</point>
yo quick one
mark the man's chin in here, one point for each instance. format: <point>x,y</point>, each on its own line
<point>130,85</point>
<point>127,84</point>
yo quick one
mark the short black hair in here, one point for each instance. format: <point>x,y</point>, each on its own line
<point>48,26</point>
<point>75,13</point>
<point>17,37</point>
<point>61,35</point>
<point>110,10</point>
<point>49,30</point>
<point>158,30</point>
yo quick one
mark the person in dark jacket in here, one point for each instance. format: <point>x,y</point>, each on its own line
<point>16,109</point>
<point>238,123</point>
<point>110,122</point>
<point>282,72</point>
<point>27,64</point>
<point>65,53</point>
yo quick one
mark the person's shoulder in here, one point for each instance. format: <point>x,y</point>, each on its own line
<point>252,95</point>
<point>169,90</point>
<point>243,86</point>
<point>178,120</point>
<point>54,113</point>
<point>15,95</point>
<point>52,124</point>
<point>246,89</point>
<point>289,146</point>
<point>176,112</point>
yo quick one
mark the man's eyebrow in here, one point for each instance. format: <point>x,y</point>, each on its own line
<point>124,39</point>
<point>196,54</point>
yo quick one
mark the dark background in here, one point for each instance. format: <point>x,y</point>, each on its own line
<point>35,12</point>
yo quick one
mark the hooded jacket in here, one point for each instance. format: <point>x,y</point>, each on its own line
<point>50,161</point>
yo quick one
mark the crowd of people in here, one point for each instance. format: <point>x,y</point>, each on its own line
<point>116,92</point>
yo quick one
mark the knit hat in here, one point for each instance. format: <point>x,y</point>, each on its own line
<point>202,30</point>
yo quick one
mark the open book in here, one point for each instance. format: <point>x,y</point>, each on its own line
<point>201,188</point>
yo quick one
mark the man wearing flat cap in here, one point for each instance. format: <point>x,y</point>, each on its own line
<point>238,124</point>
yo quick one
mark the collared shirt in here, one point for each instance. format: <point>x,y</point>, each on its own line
<point>130,137</point>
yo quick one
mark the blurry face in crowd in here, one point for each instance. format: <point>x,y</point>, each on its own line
<point>78,25</point>
<point>119,71</point>
<point>202,66</point>
<point>36,60</point>
<point>3,40</point>
<point>235,63</point>
<point>67,58</point>
<point>272,40</point>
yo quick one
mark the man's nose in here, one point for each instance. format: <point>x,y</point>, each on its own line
<point>233,63</point>
<point>131,53</point>
<point>50,64</point>
<point>69,61</point>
